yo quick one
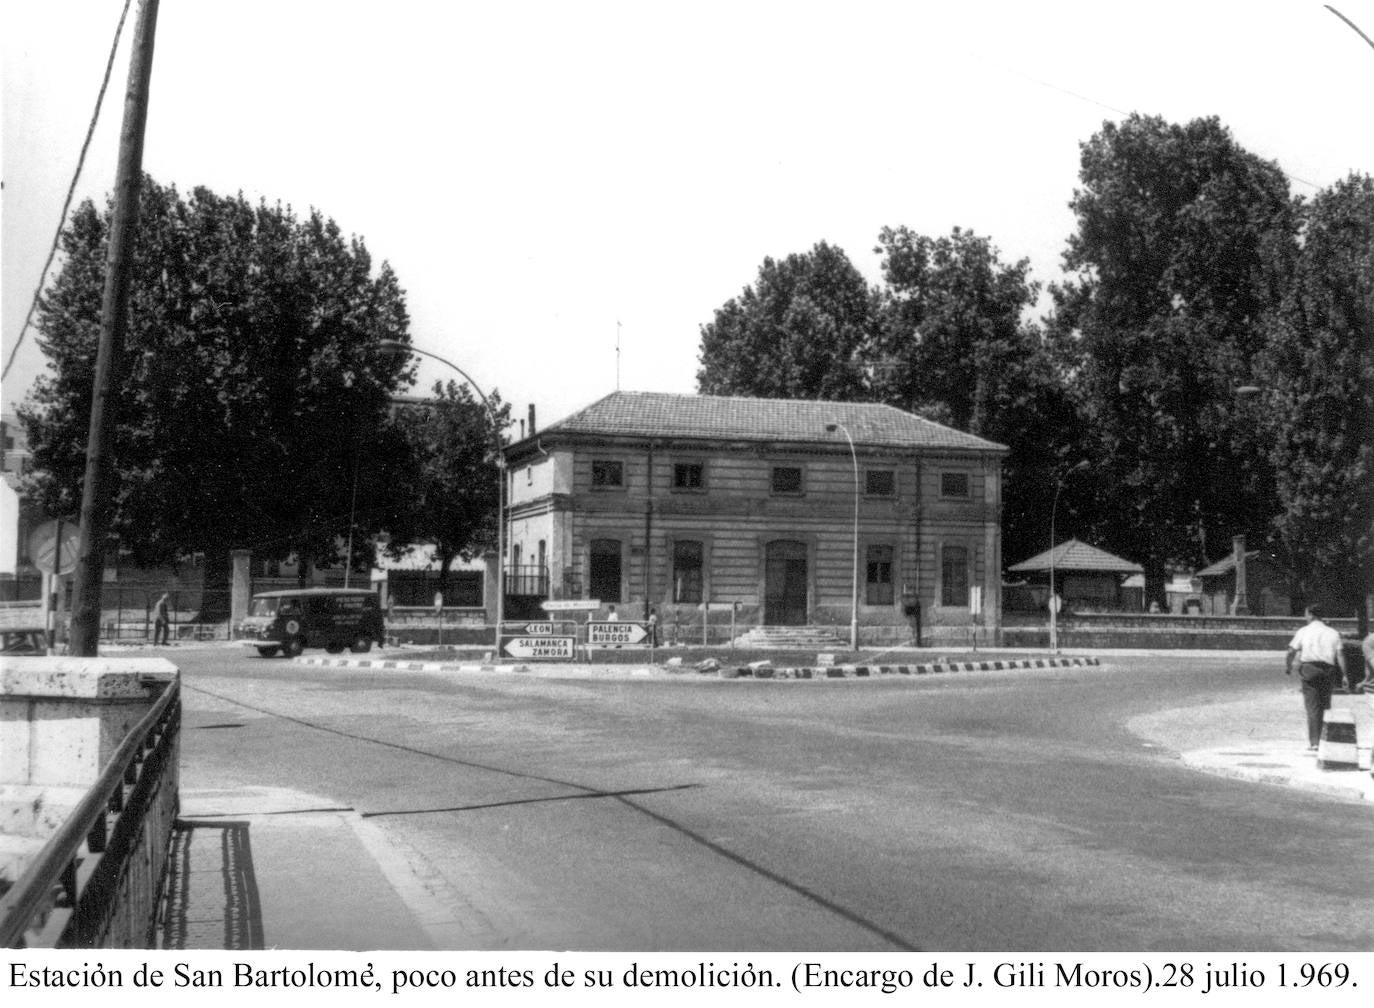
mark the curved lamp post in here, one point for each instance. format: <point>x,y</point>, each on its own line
<point>397,347</point>
<point>1054,607</point>
<point>832,427</point>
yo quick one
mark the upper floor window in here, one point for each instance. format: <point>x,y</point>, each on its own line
<point>880,483</point>
<point>954,484</point>
<point>689,475</point>
<point>607,473</point>
<point>787,479</point>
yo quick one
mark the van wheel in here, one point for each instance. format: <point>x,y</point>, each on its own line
<point>267,652</point>
<point>362,645</point>
<point>292,646</point>
<point>334,647</point>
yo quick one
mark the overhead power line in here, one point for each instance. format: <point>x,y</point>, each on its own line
<point>71,190</point>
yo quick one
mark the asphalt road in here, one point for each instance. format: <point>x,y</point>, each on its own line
<point>973,811</point>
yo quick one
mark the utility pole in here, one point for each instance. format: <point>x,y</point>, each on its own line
<point>95,496</point>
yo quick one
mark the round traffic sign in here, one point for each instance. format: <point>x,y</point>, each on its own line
<point>43,547</point>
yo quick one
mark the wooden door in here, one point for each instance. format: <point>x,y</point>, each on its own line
<point>784,583</point>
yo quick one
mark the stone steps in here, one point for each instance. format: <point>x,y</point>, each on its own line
<point>803,638</point>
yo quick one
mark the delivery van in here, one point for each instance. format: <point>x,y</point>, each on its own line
<point>287,622</point>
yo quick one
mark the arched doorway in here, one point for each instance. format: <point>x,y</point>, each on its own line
<point>784,583</point>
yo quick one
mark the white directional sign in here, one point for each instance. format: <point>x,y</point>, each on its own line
<point>569,605</point>
<point>615,632</point>
<point>549,648</point>
<point>540,629</point>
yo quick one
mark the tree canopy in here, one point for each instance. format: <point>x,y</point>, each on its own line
<point>1184,242</point>
<point>252,397</point>
<point>1318,397</point>
<point>799,332</point>
<point>452,491</point>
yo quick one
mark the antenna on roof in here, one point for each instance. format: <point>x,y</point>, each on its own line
<point>617,356</point>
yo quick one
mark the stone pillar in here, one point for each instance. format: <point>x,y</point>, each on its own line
<point>241,586</point>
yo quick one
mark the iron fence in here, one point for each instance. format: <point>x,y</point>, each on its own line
<point>129,613</point>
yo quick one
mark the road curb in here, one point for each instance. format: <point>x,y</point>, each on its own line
<point>806,672</point>
<point>1356,785</point>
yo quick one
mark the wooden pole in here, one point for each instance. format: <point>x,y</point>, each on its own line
<point>95,496</point>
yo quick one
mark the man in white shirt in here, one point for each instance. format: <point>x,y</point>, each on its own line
<point>1321,665</point>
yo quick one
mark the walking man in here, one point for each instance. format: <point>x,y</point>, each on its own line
<point>162,621</point>
<point>1317,650</point>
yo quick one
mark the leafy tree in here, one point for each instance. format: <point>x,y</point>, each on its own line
<point>1183,244</point>
<point>954,346</point>
<point>1320,368</point>
<point>251,396</point>
<point>453,494</point>
<point>798,333</point>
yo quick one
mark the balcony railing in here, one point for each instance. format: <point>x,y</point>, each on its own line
<point>527,579</point>
<point>96,883</point>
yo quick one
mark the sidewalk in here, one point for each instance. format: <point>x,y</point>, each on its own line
<point>1264,739</point>
<point>275,868</point>
<point>272,868</point>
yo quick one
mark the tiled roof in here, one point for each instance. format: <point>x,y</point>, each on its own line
<point>664,414</point>
<point>1073,555</point>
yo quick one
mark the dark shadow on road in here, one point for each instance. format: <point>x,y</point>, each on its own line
<point>532,801</point>
<point>212,893</point>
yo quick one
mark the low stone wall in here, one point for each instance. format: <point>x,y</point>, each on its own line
<point>61,721</point>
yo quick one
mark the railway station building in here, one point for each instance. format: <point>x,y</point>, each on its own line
<point>765,512</point>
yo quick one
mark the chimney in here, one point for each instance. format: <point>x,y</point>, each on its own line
<point>531,419</point>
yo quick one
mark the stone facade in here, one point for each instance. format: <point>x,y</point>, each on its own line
<point>748,505</point>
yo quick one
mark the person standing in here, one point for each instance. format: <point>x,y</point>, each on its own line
<point>1316,649</point>
<point>162,621</point>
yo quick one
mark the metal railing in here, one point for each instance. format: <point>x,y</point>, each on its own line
<point>98,880</point>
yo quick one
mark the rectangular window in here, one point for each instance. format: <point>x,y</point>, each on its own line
<point>880,483</point>
<point>954,484</point>
<point>879,575</point>
<point>604,579</point>
<point>607,474</point>
<point>954,576</point>
<point>787,479</point>
<point>687,565</point>
<point>688,476</point>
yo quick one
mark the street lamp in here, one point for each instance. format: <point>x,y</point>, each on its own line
<point>1054,599</point>
<point>392,346</point>
<point>854,571</point>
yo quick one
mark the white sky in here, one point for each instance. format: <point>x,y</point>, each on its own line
<point>537,172</point>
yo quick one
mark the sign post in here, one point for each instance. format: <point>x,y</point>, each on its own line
<point>53,546</point>
<point>975,612</point>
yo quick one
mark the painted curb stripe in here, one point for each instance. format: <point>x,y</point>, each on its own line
<point>799,672</point>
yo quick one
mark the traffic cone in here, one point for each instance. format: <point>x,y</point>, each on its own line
<point>1337,750</point>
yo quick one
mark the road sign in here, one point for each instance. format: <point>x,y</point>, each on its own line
<point>540,629</point>
<point>614,632</point>
<point>43,547</point>
<point>545,648</point>
<point>569,605</point>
